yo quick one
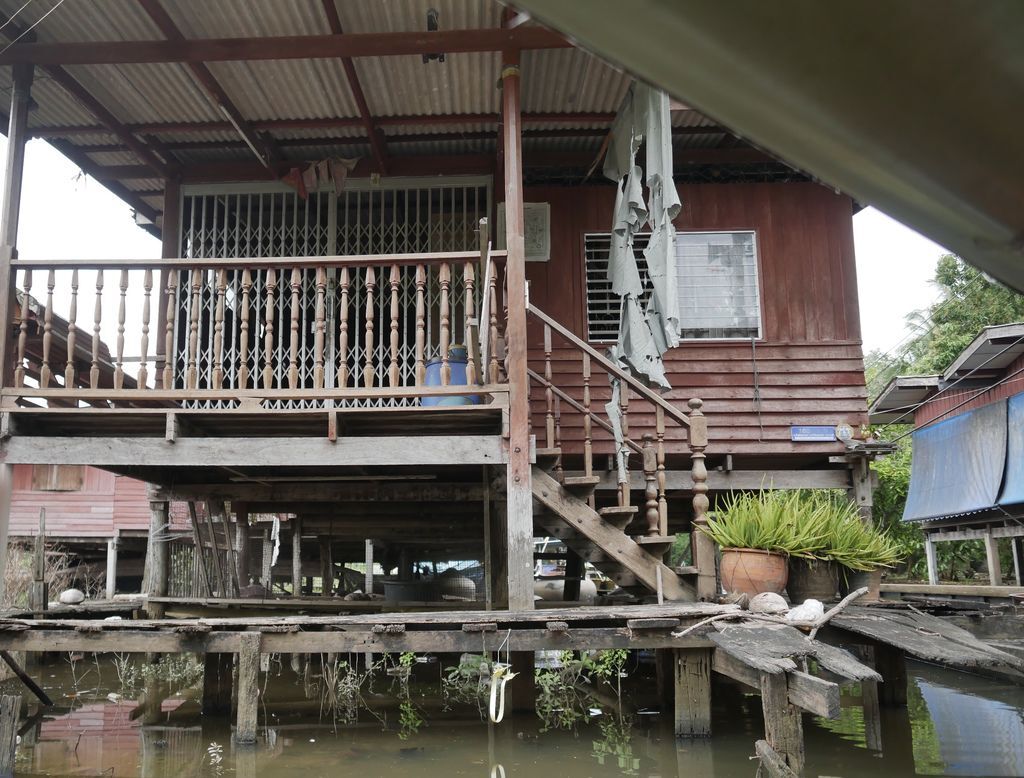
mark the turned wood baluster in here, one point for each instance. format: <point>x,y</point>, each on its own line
<point>243,335</point>
<point>371,288</point>
<point>147,295</point>
<point>69,369</point>
<point>624,491</point>
<point>559,470</point>
<point>659,431</point>
<point>320,327</point>
<point>26,293</point>
<point>549,394</point>
<point>172,291</point>
<point>469,316</point>
<point>702,547</point>
<point>493,369</point>
<point>192,371</point>
<point>97,317</point>
<point>650,462</point>
<point>293,343</point>
<point>45,374</point>
<point>421,324</point>
<point>119,359</point>
<point>268,330</point>
<point>395,281</point>
<point>217,378</point>
<point>446,323</point>
<point>588,436</point>
<point>343,285</point>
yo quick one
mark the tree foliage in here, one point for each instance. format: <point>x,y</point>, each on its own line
<point>968,302</point>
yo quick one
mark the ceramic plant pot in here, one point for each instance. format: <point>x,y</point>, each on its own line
<point>753,571</point>
<point>812,580</point>
<point>851,580</point>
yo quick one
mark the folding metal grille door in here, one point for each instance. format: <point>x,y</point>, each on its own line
<point>403,217</point>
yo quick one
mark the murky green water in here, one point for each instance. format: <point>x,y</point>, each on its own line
<point>954,724</point>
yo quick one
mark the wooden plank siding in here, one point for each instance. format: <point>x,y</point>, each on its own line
<point>809,361</point>
<point>106,503</point>
<point>957,400</point>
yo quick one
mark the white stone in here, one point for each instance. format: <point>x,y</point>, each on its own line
<point>769,602</point>
<point>72,596</point>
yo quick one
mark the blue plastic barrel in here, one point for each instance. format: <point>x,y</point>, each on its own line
<point>457,358</point>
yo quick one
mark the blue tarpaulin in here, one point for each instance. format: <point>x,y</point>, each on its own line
<point>958,464</point>
<point>1013,480</point>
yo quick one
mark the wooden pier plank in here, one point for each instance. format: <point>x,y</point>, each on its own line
<point>930,639</point>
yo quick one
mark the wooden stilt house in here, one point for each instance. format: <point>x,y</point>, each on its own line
<point>381,315</point>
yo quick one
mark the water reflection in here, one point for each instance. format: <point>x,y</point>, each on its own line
<point>954,724</point>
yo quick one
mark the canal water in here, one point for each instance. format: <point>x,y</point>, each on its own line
<point>431,725</point>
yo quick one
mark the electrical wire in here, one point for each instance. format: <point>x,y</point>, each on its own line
<point>961,404</point>
<point>34,25</point>
<point>909,409</point>
<point>15,14</point>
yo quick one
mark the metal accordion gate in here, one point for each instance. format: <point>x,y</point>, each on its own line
<point>410,216</point>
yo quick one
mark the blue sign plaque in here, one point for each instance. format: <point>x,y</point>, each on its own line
<point>812,433</point>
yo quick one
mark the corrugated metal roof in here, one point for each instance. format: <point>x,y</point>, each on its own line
<point>554,81</point>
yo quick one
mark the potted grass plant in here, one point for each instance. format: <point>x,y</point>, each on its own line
<point>759,532</point>
<point>816,574</point>
<point>861,552</point>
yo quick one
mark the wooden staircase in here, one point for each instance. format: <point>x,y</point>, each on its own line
<point>599,537</point>
<point>564,507</point>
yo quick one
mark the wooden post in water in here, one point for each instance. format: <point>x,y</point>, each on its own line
<point>248,688</point>
<point>157,556</point>
<point>892,666</point>
<point>218,670</point>
<point>38,593</point>
<point>10,708</point>
<point>783,725</point>
<point>692,678</point>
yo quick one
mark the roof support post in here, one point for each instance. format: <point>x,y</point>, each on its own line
<point>17,135</point>
<point>519,494</point>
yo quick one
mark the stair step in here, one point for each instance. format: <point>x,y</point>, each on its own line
<point>581,485</point>
<point>685,570</point>
<point>655,545</point>
<point>618,515</point>
<point>547,457</point>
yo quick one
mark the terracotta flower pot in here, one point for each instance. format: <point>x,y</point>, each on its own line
<point>851,580</point>
<point>753,571</point>
<point>812,580</point>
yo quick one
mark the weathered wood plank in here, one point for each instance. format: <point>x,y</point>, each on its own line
<point>10,708</point>
<point>257,451</point>
<point>783,727</point>
<point>931,639</point>
<point>248,688</point>
<point>813,694</point>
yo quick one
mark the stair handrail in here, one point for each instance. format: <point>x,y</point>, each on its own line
<point>610,367</point>
<point>702,548</point>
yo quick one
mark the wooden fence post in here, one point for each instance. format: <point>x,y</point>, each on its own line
<point>692,674</point>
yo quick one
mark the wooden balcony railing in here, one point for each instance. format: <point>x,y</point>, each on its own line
<point>346,328</point>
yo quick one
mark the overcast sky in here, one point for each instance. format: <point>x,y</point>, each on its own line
<point>65,214</point>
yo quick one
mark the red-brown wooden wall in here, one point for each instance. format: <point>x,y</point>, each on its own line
<point>104,503</point>
<point>959,401</point>
<point>809,362</point>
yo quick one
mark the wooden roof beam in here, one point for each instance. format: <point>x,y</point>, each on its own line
<point>262,146</point>
<point>107,120</point>
<point>376,44</point>
<point>339,122</point>
<point>380,155</point>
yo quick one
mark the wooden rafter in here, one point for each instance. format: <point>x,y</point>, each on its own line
<point>285,47</point>
<point>262,146</point>
<point>372,133</point>
<point>106,119</point>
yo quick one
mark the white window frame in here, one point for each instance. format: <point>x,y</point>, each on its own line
<point>757,286</point>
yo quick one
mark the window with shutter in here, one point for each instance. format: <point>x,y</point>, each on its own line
<point>719,297</point>
<point>57,478</point>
